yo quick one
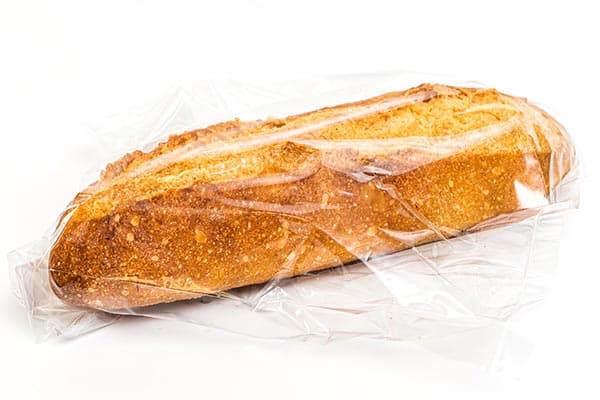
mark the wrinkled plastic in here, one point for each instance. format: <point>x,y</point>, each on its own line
<point>460,281</point>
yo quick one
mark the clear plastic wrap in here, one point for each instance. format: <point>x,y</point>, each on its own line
<point>416,214</point>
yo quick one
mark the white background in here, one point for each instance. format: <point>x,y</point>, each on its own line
<point>64,63</point>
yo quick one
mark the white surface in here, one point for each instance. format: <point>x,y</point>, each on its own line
<point>65,62</point>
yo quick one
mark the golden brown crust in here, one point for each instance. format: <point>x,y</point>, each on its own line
<point>240,203</point>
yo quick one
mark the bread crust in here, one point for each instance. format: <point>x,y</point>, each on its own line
<point>241,203</point>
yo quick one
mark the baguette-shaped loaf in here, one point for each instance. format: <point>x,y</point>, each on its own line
<point>241,203</point>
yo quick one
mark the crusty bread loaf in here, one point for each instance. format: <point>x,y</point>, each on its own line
<point>240,203</point>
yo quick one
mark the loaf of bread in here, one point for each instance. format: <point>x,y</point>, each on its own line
<point>241,203</point>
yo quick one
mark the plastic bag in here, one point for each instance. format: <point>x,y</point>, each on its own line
<point>427,281</point>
